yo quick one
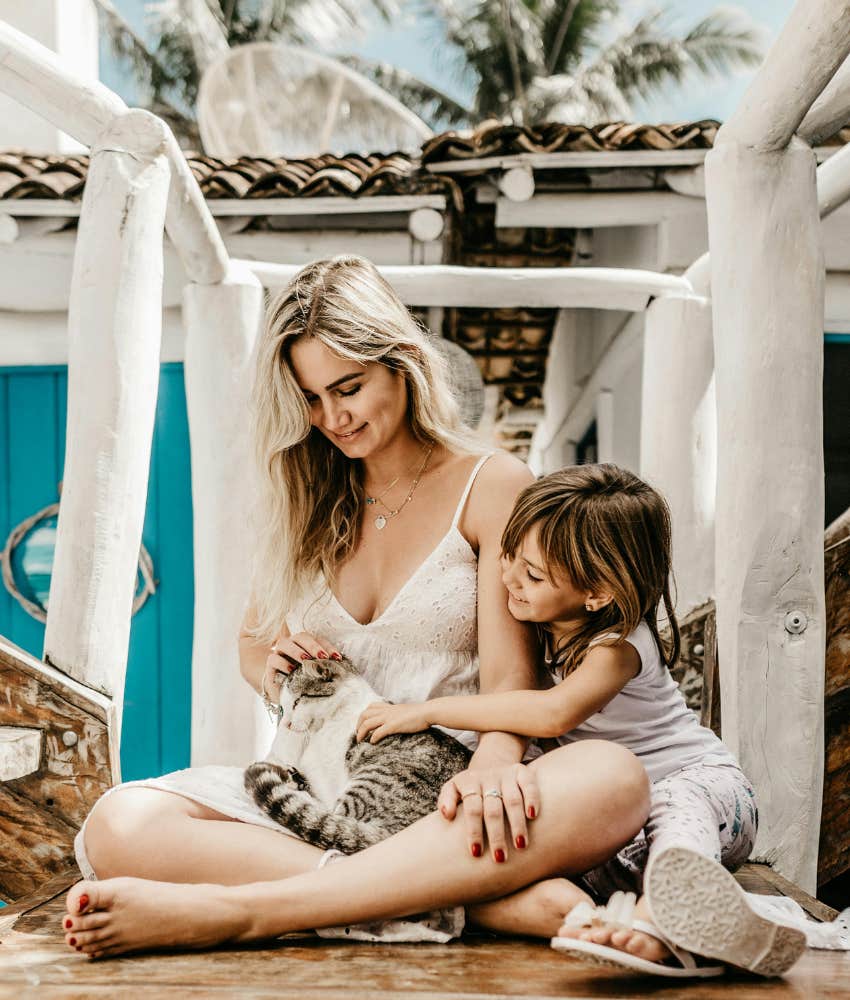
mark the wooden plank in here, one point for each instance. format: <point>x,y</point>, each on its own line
<point>475,968</point>
<point>41,812</point>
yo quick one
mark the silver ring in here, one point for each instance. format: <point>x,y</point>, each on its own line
<point>468,794</point>
<point>494,792</point>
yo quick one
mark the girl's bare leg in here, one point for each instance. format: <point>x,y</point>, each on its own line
<point>537,911</point>
<point>153,834</point>
<point>595,797</point>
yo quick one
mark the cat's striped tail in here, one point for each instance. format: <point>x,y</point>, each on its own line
<point>283,794</point>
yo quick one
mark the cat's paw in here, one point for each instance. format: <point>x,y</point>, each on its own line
<point>265,773</point>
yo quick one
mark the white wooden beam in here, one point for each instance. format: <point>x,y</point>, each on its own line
<point>834,182</point>
<point>768,343</point>
<point>831,111</point>
<point>555,430</point>
<point>550,161</point>
<point>113,373</point>
<point>495,287</point>
<point>222,322</point>
<point>678,435</point>
<point>249,207</point>
<point>20,752</point>
<point>517,184</point>
<point>35,77</point>
<point>813,43</point>
<point>595,209</point>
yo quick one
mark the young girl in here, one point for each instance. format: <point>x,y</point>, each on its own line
<point>587,557</point>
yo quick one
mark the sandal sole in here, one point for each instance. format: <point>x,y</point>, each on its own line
<point>611,958</point>
<point>699,906</point>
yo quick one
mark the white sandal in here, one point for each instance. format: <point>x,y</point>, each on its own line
<point>619,914</point>
<point>699,905</point>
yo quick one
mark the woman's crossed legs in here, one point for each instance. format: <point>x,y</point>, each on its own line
<point>594,795</point>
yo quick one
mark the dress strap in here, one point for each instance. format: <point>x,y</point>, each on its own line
<point>469,484</point>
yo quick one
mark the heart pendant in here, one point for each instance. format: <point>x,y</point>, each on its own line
<point>380,522</point>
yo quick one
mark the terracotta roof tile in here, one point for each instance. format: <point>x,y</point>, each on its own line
<point>495,139</point>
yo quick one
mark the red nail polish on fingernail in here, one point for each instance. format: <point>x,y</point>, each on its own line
<point>476,850</point>
<point>499,855</point>
<point>306,656</point>
<point>532,812</point>
<point>72,942</point>
<point>84,902</point>
<point>520,841</point>
<point>322,654</point>
<point>335,656</point>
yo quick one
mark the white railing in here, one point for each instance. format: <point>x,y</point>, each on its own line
<point>763,209</point>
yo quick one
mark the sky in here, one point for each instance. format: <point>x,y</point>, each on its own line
<point>414,45</point>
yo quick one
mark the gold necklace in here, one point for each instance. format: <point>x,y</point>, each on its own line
<point>382,519</point>
<point>379,497</point>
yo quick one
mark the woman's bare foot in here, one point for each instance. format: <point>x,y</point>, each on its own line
<point>537,910</point>
<point>128,914</point>
<point>631,941</point>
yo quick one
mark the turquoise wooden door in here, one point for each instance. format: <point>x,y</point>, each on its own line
<point>157,699</point>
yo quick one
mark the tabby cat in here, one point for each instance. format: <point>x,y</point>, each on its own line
<point>332,791</point>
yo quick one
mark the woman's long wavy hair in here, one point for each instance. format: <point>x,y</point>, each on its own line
<point>604,530</point>
<point>309,495</point>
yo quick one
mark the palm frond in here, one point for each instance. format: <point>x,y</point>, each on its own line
<point>433,105</point>
<point>725,40</point>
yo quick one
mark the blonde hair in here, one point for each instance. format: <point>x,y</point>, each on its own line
<point>309,495</point>
<point>603,529</point>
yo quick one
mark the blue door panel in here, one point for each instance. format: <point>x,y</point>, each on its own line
<point>157,702</point>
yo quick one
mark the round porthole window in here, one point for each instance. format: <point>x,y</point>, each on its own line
<point>27,564</point>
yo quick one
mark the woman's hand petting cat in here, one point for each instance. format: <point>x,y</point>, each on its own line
<point>487,795</point>
<point>287,653</point>
<point>382,719</point>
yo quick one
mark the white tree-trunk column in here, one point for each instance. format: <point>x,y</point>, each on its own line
<point>114,332</point>
<point>678,447</point>
<point>768,296</point>
<point>221,323</point>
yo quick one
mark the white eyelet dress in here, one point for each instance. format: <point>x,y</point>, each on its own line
<point>423,645</point>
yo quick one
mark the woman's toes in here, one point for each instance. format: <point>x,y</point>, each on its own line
<point>85,922</point>
<point>83,898</point>
<point>90,941</point>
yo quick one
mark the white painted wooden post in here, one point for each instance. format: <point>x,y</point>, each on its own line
<point>222,321</point>
<point>114,329</point>
<point>768,293</point>
<point>678,446</point>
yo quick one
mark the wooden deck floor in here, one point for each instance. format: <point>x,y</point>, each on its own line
<point>35,962</point>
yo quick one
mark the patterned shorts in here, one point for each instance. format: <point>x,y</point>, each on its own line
<point>709,808</point>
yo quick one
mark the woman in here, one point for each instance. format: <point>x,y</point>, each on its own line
<point>382,525</point>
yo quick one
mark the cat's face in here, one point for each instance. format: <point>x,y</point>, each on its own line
<point>304,697</point>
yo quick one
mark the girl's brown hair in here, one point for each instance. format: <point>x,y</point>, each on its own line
<point>603,529</point>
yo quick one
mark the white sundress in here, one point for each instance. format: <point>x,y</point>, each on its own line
<point>423,645</point>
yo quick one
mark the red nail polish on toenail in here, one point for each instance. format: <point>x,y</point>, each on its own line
<point>84,902</point>
<point>499,855</point>
<point>72,941</point>
<point>520,841</point>
<point>476,850</point>
<point>532,812</point>
<point>68,923</point>
<point>79,947</point>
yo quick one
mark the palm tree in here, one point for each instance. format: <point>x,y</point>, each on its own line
<point>191,34</point>
<point>524,61</point>
<point>528,61</point>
